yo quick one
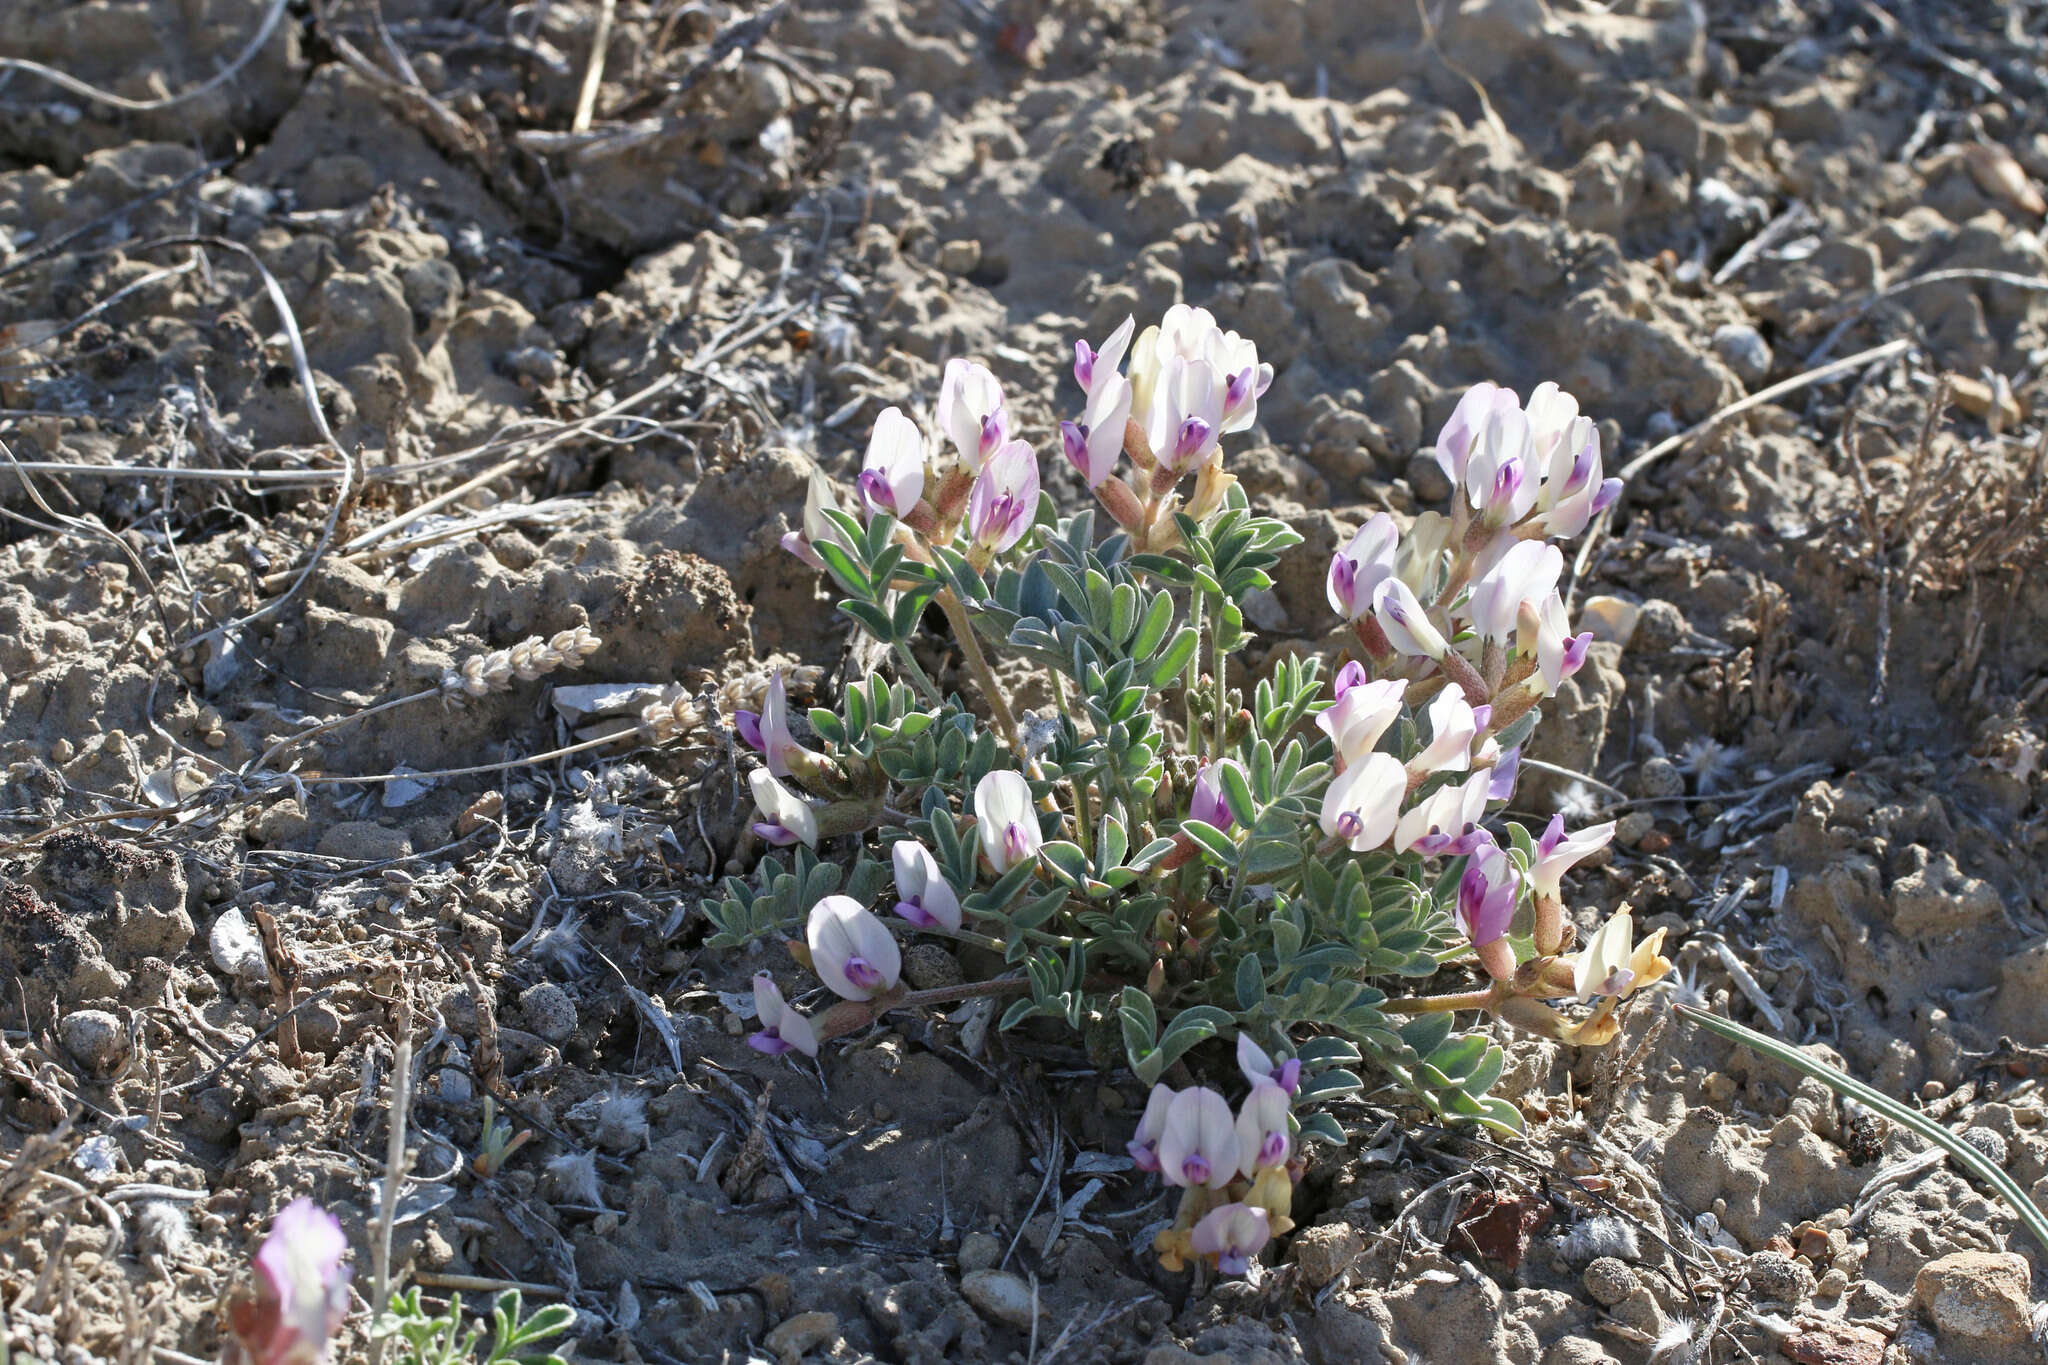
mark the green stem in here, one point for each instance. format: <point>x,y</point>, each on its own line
<point>914,670</point>
<point>1194,670</point>
<point>984,676</point>
<point>1222,708</point>
<point>1441,1004</point>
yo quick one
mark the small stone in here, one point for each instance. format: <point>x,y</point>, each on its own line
<point>280,822</point>
<point>365,841</point>
<point>1109,1098</point>
<point>805,1332</point>
<point>1777,1278</point>
<point>734,1025</point>
<point>1000,1296</point>
<point>1609,1280</point>
<point>1659,778</point>
<point>929,967</point>
<point>1745,351</point>
<point>1988,1141</point>
<point>979,1251</point>
<point>61,751</point>
<point>882,1112</point>
<point>1612,620</point>
<point>1576,1351</point>
<point>961,256</point>
<point>549,1011</point>
<point>1427,477</point>
<point>1640,1311</point>
<point>1822,1341</point>
<point>95,1039</point>
<point>320,1028</point>
<point>1659,627</point>
<point>1325,1252</point>
<point>1981,1296</point>
<point>1833,1284</point>
<point>1633,826</point>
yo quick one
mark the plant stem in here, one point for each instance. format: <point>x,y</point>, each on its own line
<point>395,1163</point>
<point>984,676</point>
<point>915,672</point>
<point>336,723</point>
<point>1194,669</point>
<point>1441,1004</point>
<point>1216,643</point>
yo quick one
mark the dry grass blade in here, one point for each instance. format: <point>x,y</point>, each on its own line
<point>395,1163</point>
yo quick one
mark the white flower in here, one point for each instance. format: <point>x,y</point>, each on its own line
<point>1007,819</point>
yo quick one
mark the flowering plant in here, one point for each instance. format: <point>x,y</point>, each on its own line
<point>1167,856</point>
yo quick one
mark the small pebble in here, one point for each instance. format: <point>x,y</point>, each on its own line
<point>1659,778</point>
<point>1833,1284</point>
<point>1777,1278</point>
<point>961,256</point>
<point>805,1332</point>
<point>61,751</point>
<point>1427,477</point>
<point>1659,627</point>
<point>1110,1098</point>
<point>95,1039</point>
<point>1632,827</point>
<point>929,967</point>
<point>1609,1281</point>
<point>1988,1141</point>
<point>1745,351</point>
<point>1000,1296</point>
<point>979,1251</point>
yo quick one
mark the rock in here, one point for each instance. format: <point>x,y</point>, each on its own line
<point>979,1251</point>
<point>1659,626</point>
<point>1659,777</point>
<point>961,256</point>
<point>1611,619</point>
<point>1609,1281</point>
<point>1822,1341</point>
<point>1746,352</point>
<point>1988,1141</point>
<point>549,1011</point>
<point>1427,477</point>
<point>1325,1252</point>
<point>1980,1296</point>
<point>95,1039</point>
<point>1833,1283</point>
<point>365,841</point>
<point>1633,827</point>
<point>236,950</point>
<point>1776,1278</point>
<point>319,1028</point>
<point>1576,1351</point>
<point>999,1296</point>
<point>793,1337</point>
<point>927,966</point>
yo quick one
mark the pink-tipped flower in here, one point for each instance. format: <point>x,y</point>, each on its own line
<point>970,411</point>
<point>301,1294</point>
<point>1093,369</point>
<point>1262,1136</point>
<point>818,496</point>
<point>785,817</point>
<point>1362,803</point>
<point>1486,905</point>
<point>1233,1234</point>
<point>1093,443</point>
<point>852,952</point>
<point>767,732</point>
<point>1501,478</point>
<point>1453,724</point>
<point>892,476</point>
<point>1558,655</point>
<point>1144,1144</point>
<point>1553,417</point>
<point>1004,500</point>
<point>1406,625</point>
<point>1557,854</point>
<point>1198,1142</point>
<point>782,1028</point>
<point>1206,803</point>
<point>1500,779</point>
<point>1454,443</point>
<point>1446,822</point>
<point>923,895</point>
<point>1260,1069</point>
<point>1007,819</point>
<point>1186,417</point>
<point>1362,713</point>
<point>1366,561</point>
<point>1245,379</point>
<point>1526,573</point>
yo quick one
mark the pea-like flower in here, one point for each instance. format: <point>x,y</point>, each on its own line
<point>1557,853</point>
<point>1501,478</point>
<point>1526,573</point>
<point>1407,625</point>
<point>852,952</point>
<point>818,496</point>
<point>1245,378</point>
<point>1558,655</point>
<point>1093,443</point>
<point>1453,724</point>
<point>1004,501</point>
<point>1144,1144</point>
<point>1198,1143</point>
<point>1613,964</point>
<point>301,1296</point>
<point>1486,905</point>
<point>1362,803</point>
<point>1446,822</point>
<point>785,817</point>
<point>1206,803</point>
<point>1260,1069</point>
<point>970,412</point>
<point>1262,1136</point>
<point>1553,417</point>
<point>783,1029</point>
<point>1093,369</point>
<point>892,476</point>
<point>1366,561</point>
<point>1183,332</point>
<point>1455,441</point>
<point>1185,420</point>
<point>1362,713</point>
<point>1233,1234</point>
<point>1573,491</point>
<point>767,732</point>
<point>923,895</point>
<point>1007,819</point>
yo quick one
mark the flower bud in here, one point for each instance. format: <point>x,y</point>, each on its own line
<point>1407,625</point>
<point>1486,905</point>
<point>1366,561</point>
<point>970,411</point>
<point>1206,803</point>
<point>1144,1144</point>
<point>1094,443</point>
<point>852,952</point>
<point>1233,1234</point>
<point>1260,1069</point>
<point>1093,369</point>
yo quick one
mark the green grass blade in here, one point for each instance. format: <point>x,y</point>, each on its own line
<point>1975,1161</point>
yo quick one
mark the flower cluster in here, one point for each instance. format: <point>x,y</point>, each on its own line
<point>1168,854</point>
